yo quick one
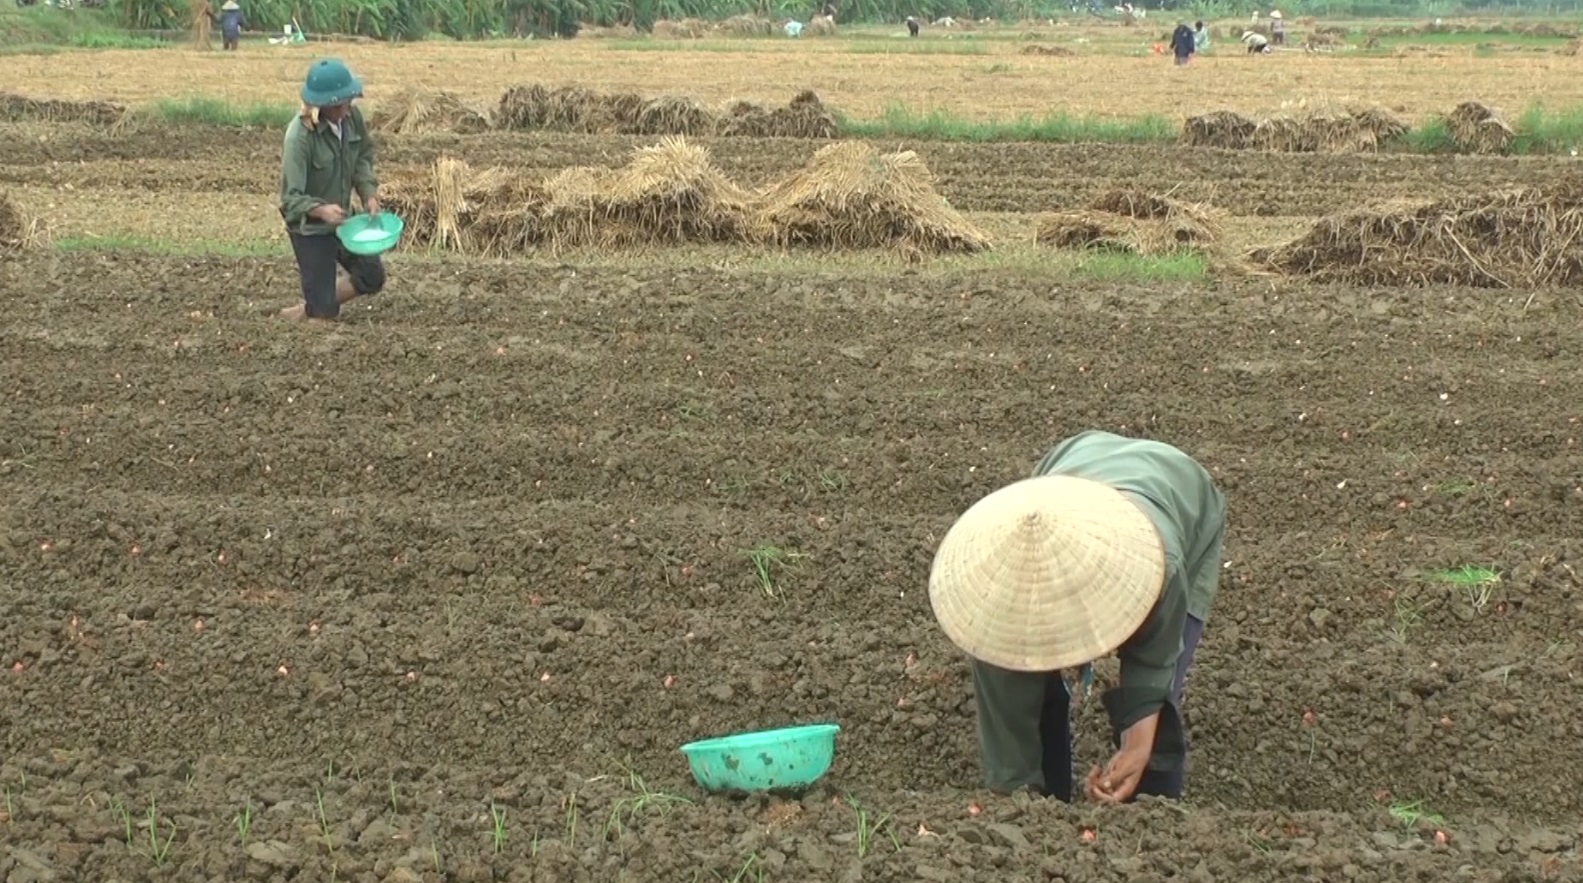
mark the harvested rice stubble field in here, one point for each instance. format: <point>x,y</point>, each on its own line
<point>437,593</point>
<point>989,80</point>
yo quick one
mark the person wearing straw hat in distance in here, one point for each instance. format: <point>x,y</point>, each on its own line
<point>328,155</point>
<point>230,25</point>
<point>1113,545</point>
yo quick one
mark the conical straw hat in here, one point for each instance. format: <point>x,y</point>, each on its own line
<point>1046,574</point>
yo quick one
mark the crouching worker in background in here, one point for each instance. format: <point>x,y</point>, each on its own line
<point>328,154</point>
<point>1112,546</point>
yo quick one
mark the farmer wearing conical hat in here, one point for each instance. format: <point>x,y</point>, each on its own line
<point>230,25</point>
<point>328,155</point>
<point>1112,546</point>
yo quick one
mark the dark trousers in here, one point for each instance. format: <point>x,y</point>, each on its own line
<point>1013,761</point>
<point>1055,731</point>
<point>317,258</point>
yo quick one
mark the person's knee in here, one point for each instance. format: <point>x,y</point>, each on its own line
<point>368,277</point>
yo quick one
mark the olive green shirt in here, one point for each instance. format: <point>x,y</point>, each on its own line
<point>1189,513</point>
<point>317,167</point>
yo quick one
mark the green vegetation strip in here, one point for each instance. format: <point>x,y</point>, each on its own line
<point>1539,130</point>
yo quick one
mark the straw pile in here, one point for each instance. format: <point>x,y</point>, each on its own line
<point>820,26</point>
<point>748,26</point>
<point>19,230</point>
<point>1520,238</point>
<point>202,23</point>
<point>416,112</point>
<point>673,115</point>
<point>804,117</point>
<point>1475,128</point>
<point>1359,131</point>
<point>668,194</point>
<point>574,109</point>
<point>492,212</point>
<point>598,32</point>
<point>1222,128</point>
<point>1092,231</point>
<point>1132,221</point>
<point>686,29</point>
<point>1055,51</point>
<point>850,196</point>
<point>20,109</point>
<point>566,109</point>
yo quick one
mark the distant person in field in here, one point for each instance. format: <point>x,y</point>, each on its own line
<point>1182,45</point>
<point>328,156</point>
<point>1112,546</point>
<point>1277,28</point>
<point>912,25</point>
<point>231,23</point>
<point>1257,42</point>
<point>1200,38</point>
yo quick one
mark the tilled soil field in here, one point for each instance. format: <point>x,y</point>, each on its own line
<point>1026,177</point>
<point>437,593</point>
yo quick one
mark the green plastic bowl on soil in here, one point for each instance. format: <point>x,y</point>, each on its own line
<point>767,760</point>
<point>370,234</point>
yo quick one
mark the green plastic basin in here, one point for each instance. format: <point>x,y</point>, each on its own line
<point>767,760</point>
<point>370,234</point>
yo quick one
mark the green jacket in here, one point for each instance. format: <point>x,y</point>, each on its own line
<point>1189,513</point>
<point>317,168</point>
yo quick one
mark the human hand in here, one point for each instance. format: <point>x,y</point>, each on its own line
<point>330,214</point>
<point>371,205</point>
<point>1118,779</point>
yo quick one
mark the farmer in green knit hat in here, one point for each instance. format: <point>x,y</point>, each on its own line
<point>1112,546</point>
<point>328,155</point>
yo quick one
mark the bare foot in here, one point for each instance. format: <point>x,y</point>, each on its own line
<point>295,313</point>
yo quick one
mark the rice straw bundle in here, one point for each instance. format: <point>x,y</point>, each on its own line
<point>852,196</point>
<point>202,23</point>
